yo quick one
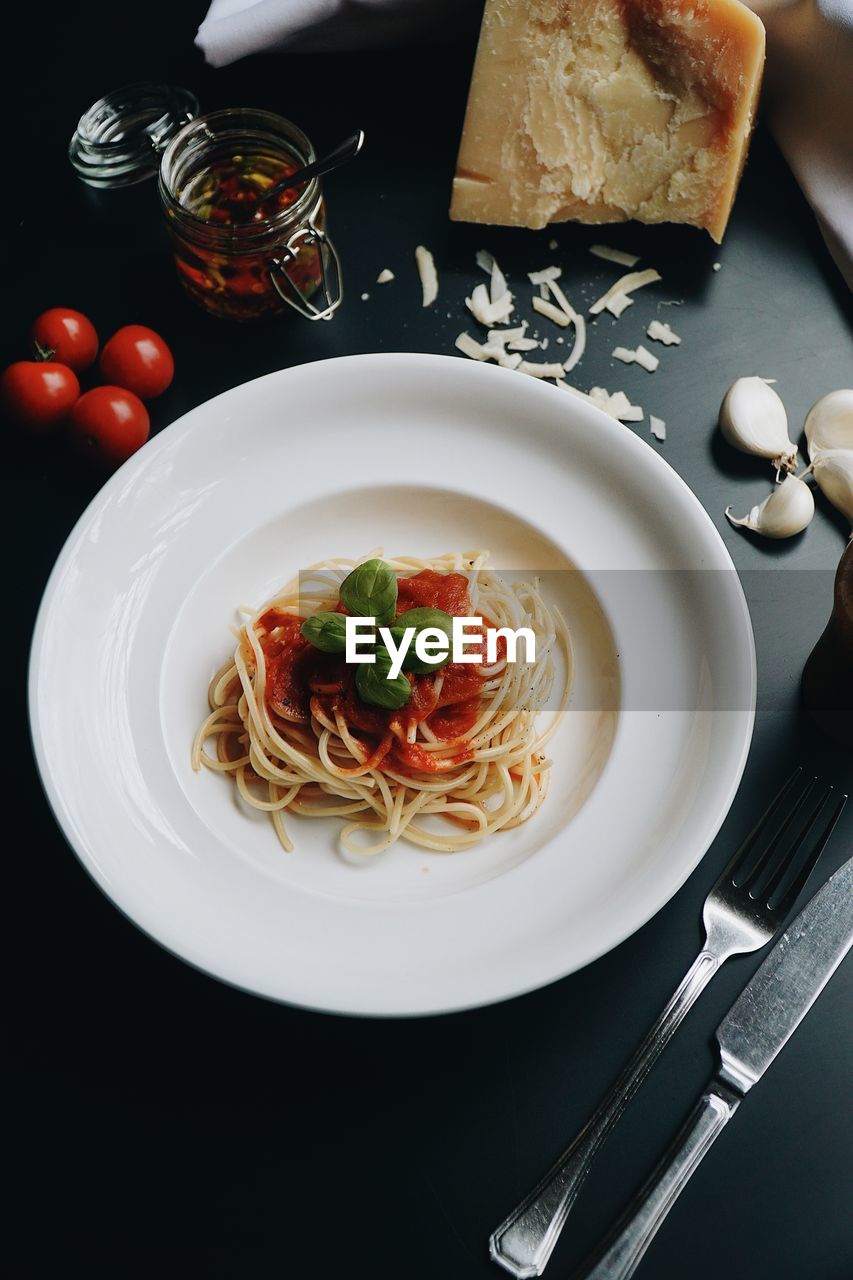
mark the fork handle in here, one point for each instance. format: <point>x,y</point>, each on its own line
<point>523,1243</point>
<point>622,1250</point>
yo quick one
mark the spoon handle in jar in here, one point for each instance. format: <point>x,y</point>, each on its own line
<point>343,152</point>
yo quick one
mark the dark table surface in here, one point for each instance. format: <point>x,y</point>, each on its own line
<point>167,1124</point>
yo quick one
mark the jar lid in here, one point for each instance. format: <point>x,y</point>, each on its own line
<point>118,141</point>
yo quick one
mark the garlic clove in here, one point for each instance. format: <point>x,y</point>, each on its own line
<point>753,419</point>
<point>787,511</point>
<point>829,423</point>
<point>833,471</point>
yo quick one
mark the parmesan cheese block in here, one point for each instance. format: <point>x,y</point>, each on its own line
<point>603,110</point>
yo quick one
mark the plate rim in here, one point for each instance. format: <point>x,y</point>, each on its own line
<point>620,433</point>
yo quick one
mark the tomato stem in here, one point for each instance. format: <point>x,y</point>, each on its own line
<point>44,353</point>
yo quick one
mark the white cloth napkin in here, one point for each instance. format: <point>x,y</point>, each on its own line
<point>807,99</point>
<point>234,28</point>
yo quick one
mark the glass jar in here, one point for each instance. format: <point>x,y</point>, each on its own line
<point>120,139</point>
<point>236,255</point>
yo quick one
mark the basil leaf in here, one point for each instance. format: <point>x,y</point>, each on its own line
<point>374,687</point>
<point>420,619</point>
<point>326,631</point>
<point>370,591</point>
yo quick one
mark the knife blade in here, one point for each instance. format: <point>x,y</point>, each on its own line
<point>757,1027</point>
<point>786,985</point>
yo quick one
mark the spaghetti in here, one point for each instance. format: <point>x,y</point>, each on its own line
<point>288,725</point>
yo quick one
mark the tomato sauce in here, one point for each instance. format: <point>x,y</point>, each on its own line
<point>296,672</point>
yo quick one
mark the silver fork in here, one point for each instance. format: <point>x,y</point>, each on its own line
<point>741,913</point>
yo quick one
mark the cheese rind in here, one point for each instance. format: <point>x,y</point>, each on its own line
<point>602,110</point>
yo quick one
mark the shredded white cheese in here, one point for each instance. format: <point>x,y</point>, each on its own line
<point>657,426</point>
<point>560,298</point>
<point>614,255</point>
<point>618,303</point>
<point>626,284</point>
<point>645,359</point>
<point>497,284</point>
<point>576,391</point>
<point>580,343</point>
<point>543,276</point>
<point>484,310</point>
<point>385,276</point>
<point>364,297</point>
<point>717,266</point>
<point>639,356</point>
<point>473,349</point>
<point>552,245</point>
<point>523,344</point>
<point>551,312</point>
<point>428,274</point>
<point>485,261</point>
<point>537,370</point>
<point>660,332</point>
<point>617,405</point>
<point>509,335</point>
<point>509,361</point>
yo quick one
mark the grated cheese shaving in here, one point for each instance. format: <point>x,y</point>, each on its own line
<point>580,343</point>
<point>485,261</point>
<point>657,426</point>
<point>543,276</point>
<point>537,370</point>
<point>660,332</point>
<point>484,310</point>
<point>470,347</point>
<point>508,361</point>
<point>497,284</point>
<point>428,274</point>
<point>576,391</point>
<point>523,344</point>
<point>617,405</point>
<point>614,255</point>
<point>385,276</point>
<point>509,335</point>
<point>618,303</point>
<point>626,284</point>
<point>551,312</point>
<point>639,356</point>
<point>560,298</point>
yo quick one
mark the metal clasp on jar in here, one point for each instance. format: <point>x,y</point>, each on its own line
<point>330,288</point>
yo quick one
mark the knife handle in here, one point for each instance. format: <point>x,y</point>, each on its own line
<point>620,1253</point>
<point>523,1243</point>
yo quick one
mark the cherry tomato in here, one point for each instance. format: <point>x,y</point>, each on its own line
<point>138,358</point>
<point>38,394</point>
<point>69,335</point>
<point>108,424</point>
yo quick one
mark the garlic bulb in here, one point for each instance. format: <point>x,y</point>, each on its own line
<point>787,511</point>
<point>753,419</point>
<point>829,423</point>
<point>833,470</point>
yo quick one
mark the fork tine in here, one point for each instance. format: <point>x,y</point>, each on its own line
<point>763,861</point>
<point>777,872</point>
<point>748,844</point>
<point>798,883</point>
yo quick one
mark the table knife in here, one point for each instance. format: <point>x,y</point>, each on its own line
<point>756,1028</point>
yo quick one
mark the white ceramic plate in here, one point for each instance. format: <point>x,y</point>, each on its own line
<point>420,454</point>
